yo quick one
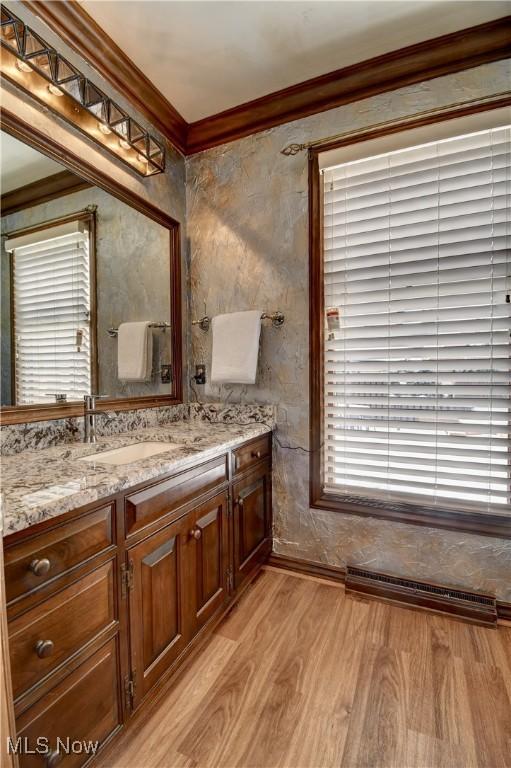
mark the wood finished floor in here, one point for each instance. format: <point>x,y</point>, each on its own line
<point>301,676</point>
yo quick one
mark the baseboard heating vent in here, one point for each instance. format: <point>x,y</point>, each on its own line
<point>434,597</point>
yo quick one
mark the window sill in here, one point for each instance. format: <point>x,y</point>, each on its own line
<point>482,523</point>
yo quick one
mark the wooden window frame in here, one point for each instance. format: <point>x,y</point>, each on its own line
<point>487,524</point>
<point>90,218</point>
<point>12,124</point>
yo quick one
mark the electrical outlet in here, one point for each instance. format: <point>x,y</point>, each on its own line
<point>200,374</point>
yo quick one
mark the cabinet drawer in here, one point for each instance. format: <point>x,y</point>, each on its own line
<point>45,636</point>
<point>146,505</point>
<point>249,454</point>
<point>35,561</point>
<point>84,707</point>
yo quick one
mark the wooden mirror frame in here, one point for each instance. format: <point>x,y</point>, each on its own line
<point>12,414</point>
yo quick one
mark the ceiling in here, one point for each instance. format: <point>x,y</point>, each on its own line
<point>20,164</point>
<point>207,56</point>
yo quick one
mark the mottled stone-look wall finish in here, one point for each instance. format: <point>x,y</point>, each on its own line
<point>247,226</point>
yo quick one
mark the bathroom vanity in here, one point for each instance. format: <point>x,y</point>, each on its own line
<point>106,598</point>
<point>119,557</point>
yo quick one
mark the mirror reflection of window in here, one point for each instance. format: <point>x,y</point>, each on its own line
<point>51,311</point>
<point>127,258</point>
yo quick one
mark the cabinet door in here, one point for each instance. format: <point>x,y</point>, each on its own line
<point>210,539</point>
<point>159,604</point>
<point>252,521</point>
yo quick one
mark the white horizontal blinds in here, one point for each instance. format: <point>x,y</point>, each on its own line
<point>51,293</point>
<point>417,376</point>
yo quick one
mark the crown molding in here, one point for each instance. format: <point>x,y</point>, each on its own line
<point>423,61</point>
<point>416,63</point>
<point>75,27</point>
<point>41,191</point>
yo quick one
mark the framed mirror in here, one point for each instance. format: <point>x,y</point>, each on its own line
<point>90,286</point>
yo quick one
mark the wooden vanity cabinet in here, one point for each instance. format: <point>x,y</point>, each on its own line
<point>151,504</point>
<point>159,605</point>
<point>36,560</point>
<point>178,579</point>
<point>84,708</point>
<point>64,635</point>
<point>48,634</point>
<point>124,589</point>
<point>211,573</point>
<point>252,521</point>
<point>249,454</point>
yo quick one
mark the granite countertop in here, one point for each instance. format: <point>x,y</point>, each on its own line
<point>38,485</point>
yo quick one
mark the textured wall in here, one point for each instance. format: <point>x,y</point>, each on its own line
<point>247,230</point>
<point>133,278</point>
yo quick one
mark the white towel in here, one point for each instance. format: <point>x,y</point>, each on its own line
<point>134,351</point>
<point>235,347</point>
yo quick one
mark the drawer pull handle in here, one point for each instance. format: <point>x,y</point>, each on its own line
<point>196,533</point>
<point>53,758</point>
<point>256,454</point>
<point>40,567</point>
<point>44,648</point>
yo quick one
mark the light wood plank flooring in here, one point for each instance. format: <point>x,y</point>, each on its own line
<point>301,676</point>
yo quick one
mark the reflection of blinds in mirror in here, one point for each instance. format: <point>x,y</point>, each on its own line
<point>417,373</point>
<point>51,303</point>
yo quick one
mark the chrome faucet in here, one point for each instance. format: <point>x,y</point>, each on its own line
<point>89,417</point>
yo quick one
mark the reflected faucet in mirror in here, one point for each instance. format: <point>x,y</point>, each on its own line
<point>89,417</point>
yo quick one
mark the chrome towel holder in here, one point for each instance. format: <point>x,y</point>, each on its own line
<point>277,320</point>
<point>161,324</point>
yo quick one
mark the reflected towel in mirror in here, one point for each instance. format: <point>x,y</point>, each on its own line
<point>134,351</point>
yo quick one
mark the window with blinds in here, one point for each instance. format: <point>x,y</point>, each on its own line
<point>417,352</point>
<point>51,313</point>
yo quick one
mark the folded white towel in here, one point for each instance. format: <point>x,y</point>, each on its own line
<point>134,351</point>
<point>235,347</point>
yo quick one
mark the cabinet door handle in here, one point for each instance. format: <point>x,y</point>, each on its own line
<point>53,758</point>
<point>256,454</point>
<point>44,648</point>
<point>240,503</point>
<point>196,533</point>
<point>40,567</point>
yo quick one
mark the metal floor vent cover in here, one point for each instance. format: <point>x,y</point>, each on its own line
<point>482,608</point>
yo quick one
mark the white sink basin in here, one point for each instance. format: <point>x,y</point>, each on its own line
<point>129,453</point>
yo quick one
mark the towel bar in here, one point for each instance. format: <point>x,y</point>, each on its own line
<point>277,319</point>
<point>114,331</point>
